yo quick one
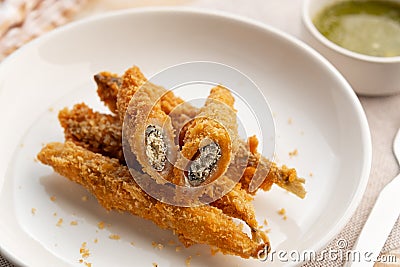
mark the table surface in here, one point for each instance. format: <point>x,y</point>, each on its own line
<point>383,113</point>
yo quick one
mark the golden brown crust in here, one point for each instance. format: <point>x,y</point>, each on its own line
<point>132,80</point>
<point>84,127</point>
<point>145,111</point>
<point>114,187</point>
<point>216,121</point>
<point>107,89</point>
<point>94,131</point>
<point>284,177</point>
<point>100,133</point>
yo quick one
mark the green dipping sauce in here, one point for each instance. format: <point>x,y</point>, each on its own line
<point>366,27</point>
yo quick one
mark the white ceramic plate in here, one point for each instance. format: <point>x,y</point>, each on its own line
<point>316,113</point>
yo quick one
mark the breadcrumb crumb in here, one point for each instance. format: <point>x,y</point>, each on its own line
<point>114,237</point>
<point>157,245</point>
<point>311,174</point>
<point>178,248</point>
<point>35,160</point>
<point>171,242</point>
<point>293,153</point>
<point>132,243</point>
<point>187,261</point>
<point>85,253</point>
<point>265,222</point>
<point>33,211</point>
<point>155,264</point>
<point>53,198</point>
<point>59,223</point>
<point>51,109</point>
<point>95,240</point>
<point>73,223</point>
<point>84,198</point>
<point>282,212</point>
<point>290,121</point>
<point>55,214</point>
<point>101,225</point>
<point>88,264</point>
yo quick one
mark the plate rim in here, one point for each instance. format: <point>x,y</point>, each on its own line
<point>179,10</point>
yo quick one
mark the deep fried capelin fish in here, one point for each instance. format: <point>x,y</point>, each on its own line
<point>81,127</point>
<point>215,125</point>
<point>149,132</point>
<point>234,203</point>
<point>115,189</point>
<point>101,133</point>
<point>284,177</point>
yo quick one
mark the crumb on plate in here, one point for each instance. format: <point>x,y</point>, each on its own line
<point>84,251</point>
<point>282,212</point>
<point>59,222</point>
<point>114,237</point>
<point>101,225</point>
<point>33,211</point>
<point>187,261</point>
<point>293,153</point>
<point>157,245</point>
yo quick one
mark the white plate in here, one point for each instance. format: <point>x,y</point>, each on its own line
<point>328,127</point>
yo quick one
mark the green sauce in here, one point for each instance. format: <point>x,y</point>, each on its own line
<point>366,27</point>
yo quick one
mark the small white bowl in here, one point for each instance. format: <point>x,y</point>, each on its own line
<point>368,75</point>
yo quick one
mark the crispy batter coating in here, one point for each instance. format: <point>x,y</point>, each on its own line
<point>284,177</point>
<point>107,88</point>
<point>101,133</point>
<point>109,84</point>
<point>133,79</point>
<point>216,122</point>
<point>113,186</point>
<point>147,128</point>
<point>83,126</point>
